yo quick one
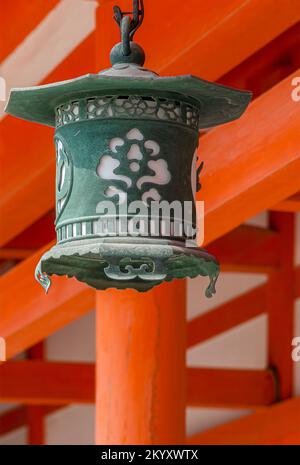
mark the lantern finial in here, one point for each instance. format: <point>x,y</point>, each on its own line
<point>128,51</point>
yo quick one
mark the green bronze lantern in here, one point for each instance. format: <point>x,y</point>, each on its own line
<point>126,140</point>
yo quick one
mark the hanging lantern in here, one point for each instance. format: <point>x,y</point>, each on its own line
<point>126,168</point>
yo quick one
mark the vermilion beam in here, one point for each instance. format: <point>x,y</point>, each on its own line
<point>280,304</point>
<point>57,383</point>
<point>24,199</point>
<point>176,41</point>
<point>13,419</point>
<point>27,316</point>
<point>46,383</point>
<point>291,204</point>
<point>260,167</point>
<point>18,254</point>
<point>275,425</point>
<point>140,366</point>
<point>18,417</point>
<point>247,248</point>
<point>247,389</point>
<point>226,316</point>
<point>35,413</point>
<point>29,15</point>
<point>269,65</point>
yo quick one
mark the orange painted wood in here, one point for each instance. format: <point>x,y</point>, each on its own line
<point>47,383</point>
<point>275,425</point>
<point>36,235</point>
<point>248,247</point>
<point>37,352</point>
<point>18,19</point>
<point>35,413</point>
<point>297,283</point>
<point>226,316</point>
<point>24,199</point>
<point>18,254</point>
<point>27,315</point>
<point>196,44</point>
<point>283,140</point>
<point>12,419</point>
<point>53,384</point>
<point>280,304</point>
<point>255,169</point>
<point>17,417</point>
<point>269,65</point>
<point>227,388</point>
<point>291,204</point>
<point>140,356</point>
<point>140,366</point>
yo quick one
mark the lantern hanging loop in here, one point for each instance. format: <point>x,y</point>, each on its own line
<point>129,25</point>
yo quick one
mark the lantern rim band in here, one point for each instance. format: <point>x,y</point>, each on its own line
<point>99,263</point>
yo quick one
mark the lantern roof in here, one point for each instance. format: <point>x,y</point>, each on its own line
<point>217,104</point>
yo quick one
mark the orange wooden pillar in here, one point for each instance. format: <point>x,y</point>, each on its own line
<point>141,339</point>
<point>140,366</point>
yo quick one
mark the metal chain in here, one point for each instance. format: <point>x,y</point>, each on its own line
<point>133,23</point>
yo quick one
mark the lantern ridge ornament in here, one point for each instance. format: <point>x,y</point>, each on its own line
<point>127,136</point>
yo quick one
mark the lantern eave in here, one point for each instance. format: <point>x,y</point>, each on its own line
<point>217,104</point>
<point>127,263</point>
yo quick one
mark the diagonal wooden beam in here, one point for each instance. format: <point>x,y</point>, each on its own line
<point>27,316</point>
<point>269,65</point>
<point>247,248</point>
<point>275,425</point>
<point>15,254</point>
<point>259,169</point>
<point>228,315</point>
<point>13,419</point>
<point>291,204</point>
<point>17,417</point>
<point>232,313</point>
<point>36,189</point>
<point>226,388</point>
<point>30,14</point>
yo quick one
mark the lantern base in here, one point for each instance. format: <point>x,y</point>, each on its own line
<point>127,263</point>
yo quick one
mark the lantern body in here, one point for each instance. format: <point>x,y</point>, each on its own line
<point>126,142</point>
<point>115,150</point>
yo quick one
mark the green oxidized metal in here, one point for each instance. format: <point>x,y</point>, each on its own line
<point>125,133</point>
